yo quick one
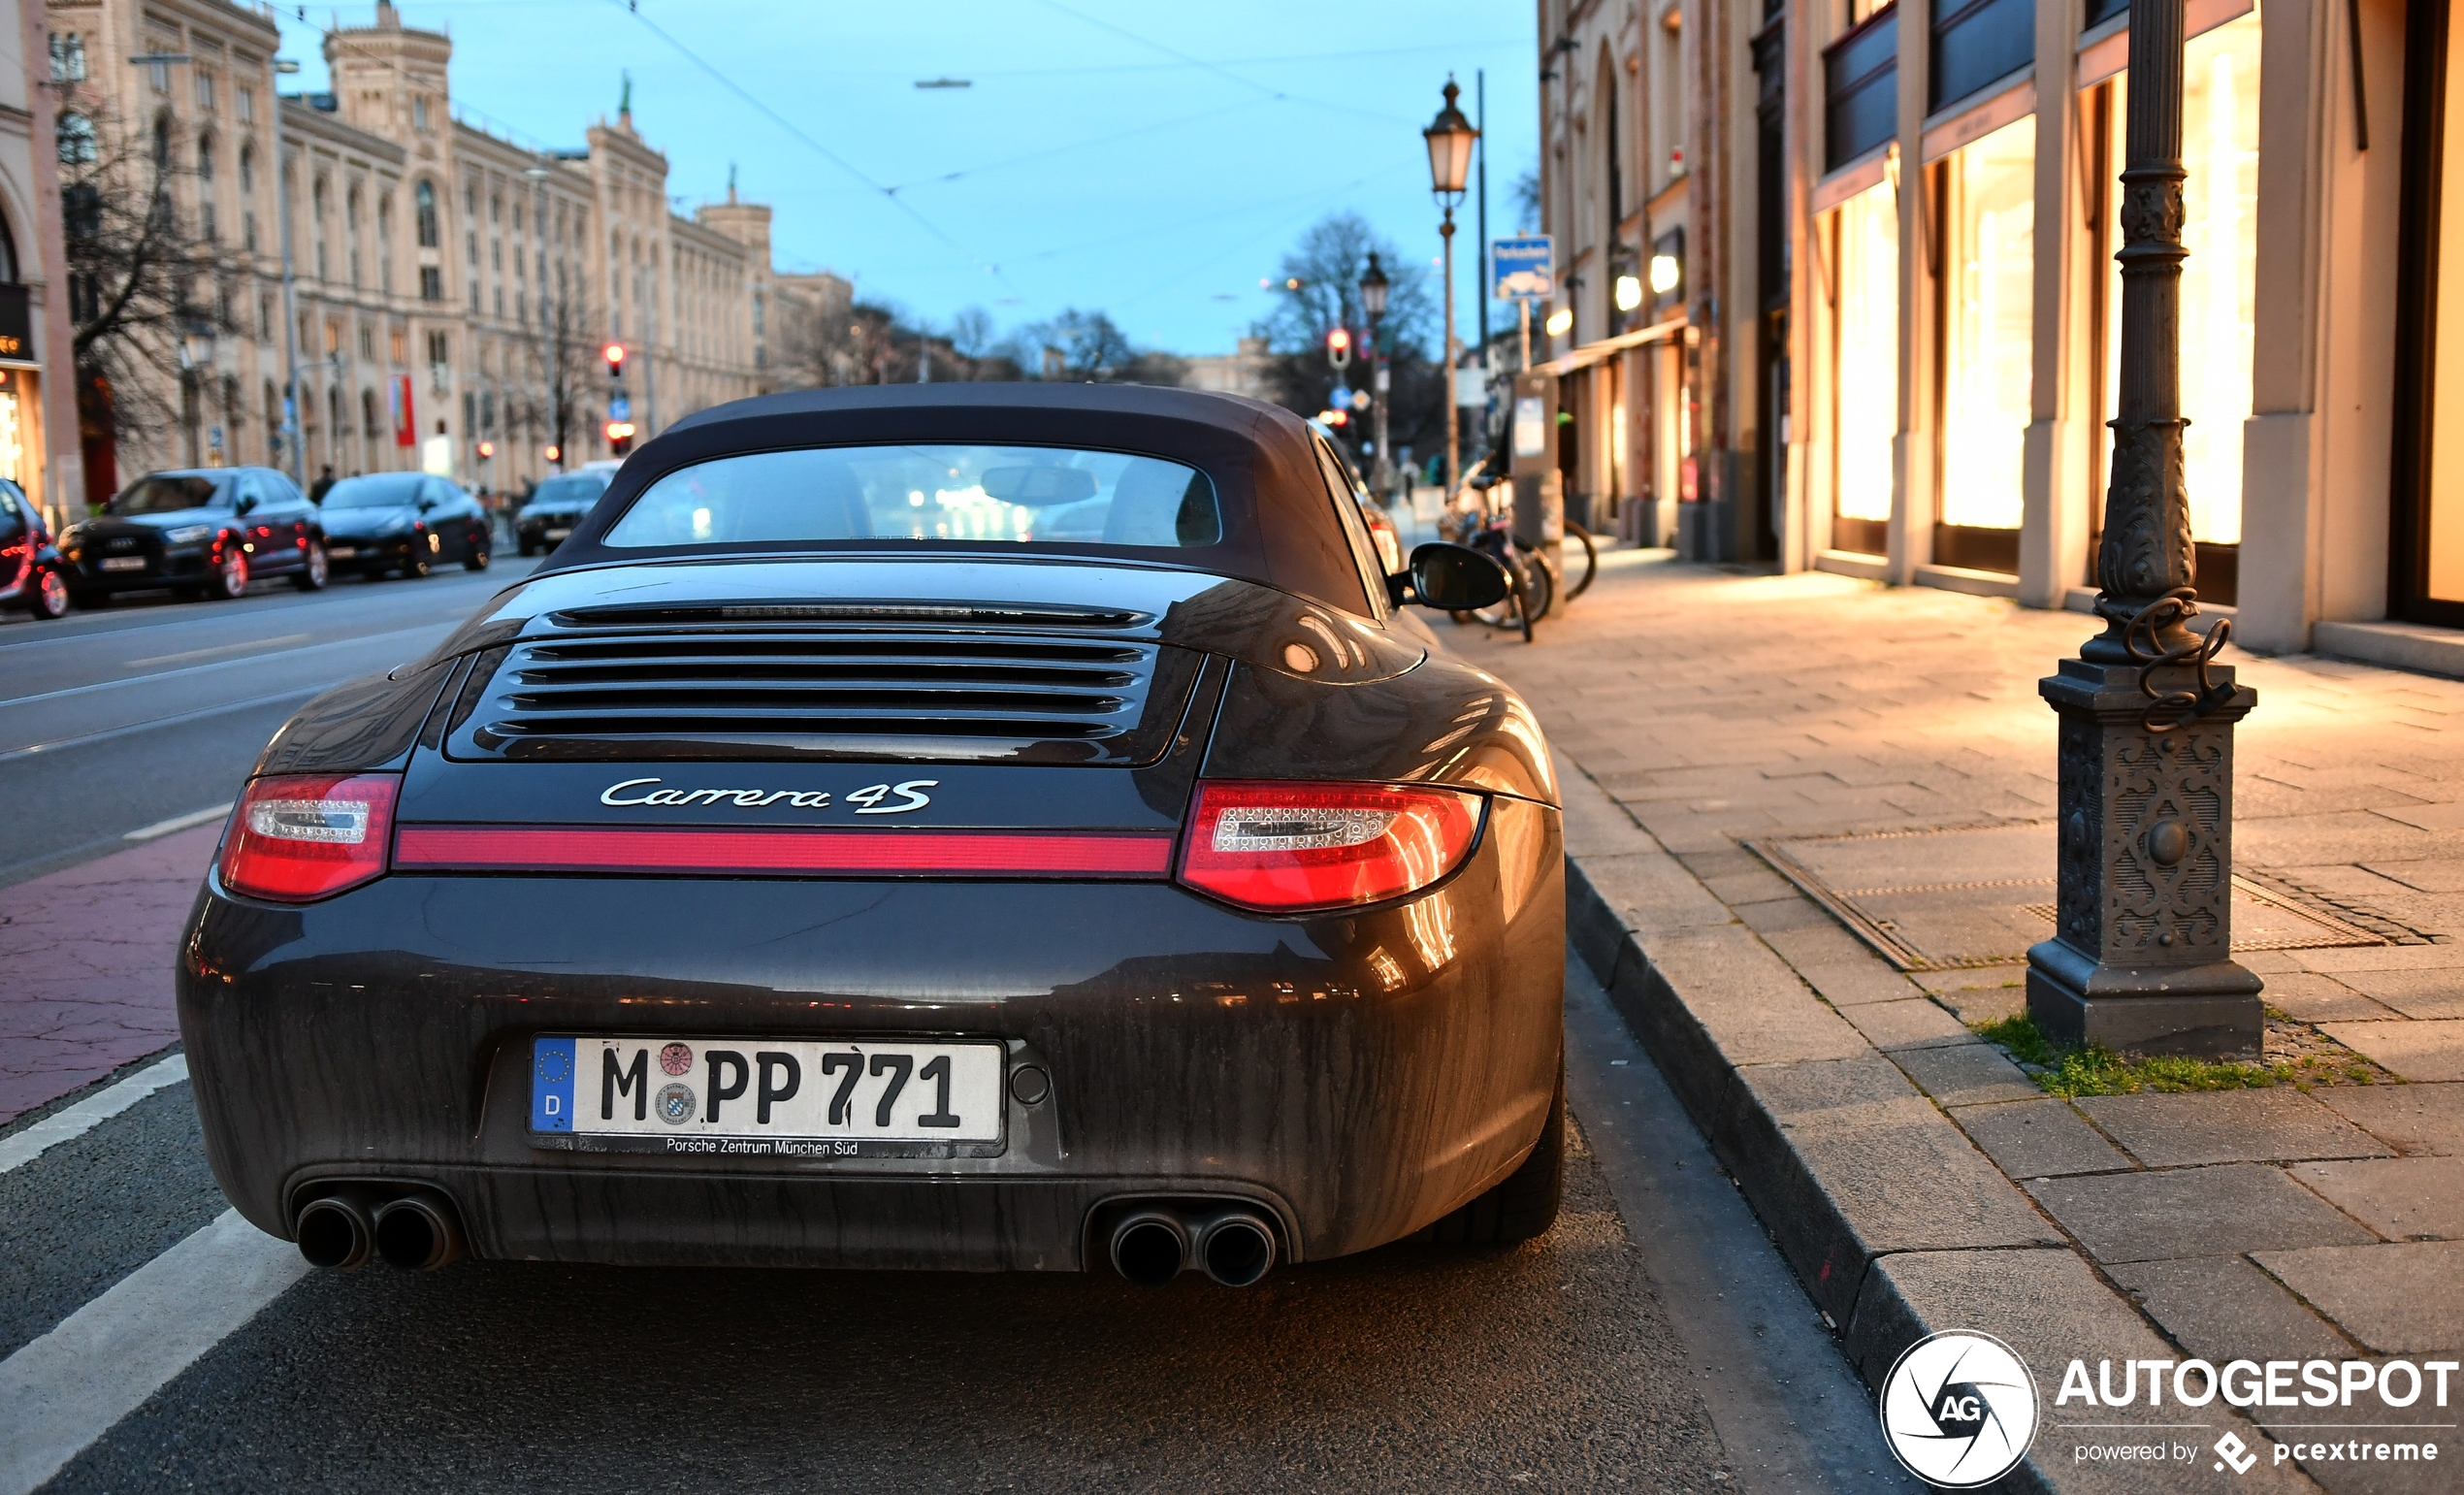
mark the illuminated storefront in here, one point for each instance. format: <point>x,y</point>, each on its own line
<point>2220,230</point>
<point>1866,242</point>
<point>1986,283</point>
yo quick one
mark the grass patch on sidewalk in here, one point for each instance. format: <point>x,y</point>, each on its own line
<point>2094,1070</point>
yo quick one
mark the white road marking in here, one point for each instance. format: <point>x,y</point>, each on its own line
<point>133,728</point>
<point>193,669</point>
<point>68,1388</point>
<point>242,647</point>
<point>24,1147</point>
<point>163,827</point>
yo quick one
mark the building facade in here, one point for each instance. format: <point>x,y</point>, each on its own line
<point>37,406</point>
<point>451,291</point>
<point>1899,347</point>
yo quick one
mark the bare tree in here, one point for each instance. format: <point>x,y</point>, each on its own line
<point>141,280</point>
<point>1087,348</point>
<point>564,349</point>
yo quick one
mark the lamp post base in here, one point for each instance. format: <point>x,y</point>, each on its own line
<point>2208,1012</point>
<point>2142,960</point>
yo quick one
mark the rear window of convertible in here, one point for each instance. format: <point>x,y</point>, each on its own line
<point>1023,495</point>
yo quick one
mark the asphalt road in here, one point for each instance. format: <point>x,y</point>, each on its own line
<point>1653,1341</point>
<point>121,719</point>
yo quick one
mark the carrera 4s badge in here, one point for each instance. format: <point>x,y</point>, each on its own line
<point>868,800</point>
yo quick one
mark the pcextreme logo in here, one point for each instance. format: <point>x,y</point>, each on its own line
<point>1958,1409</point>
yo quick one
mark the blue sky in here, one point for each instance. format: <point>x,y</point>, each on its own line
<point>1153,161</point>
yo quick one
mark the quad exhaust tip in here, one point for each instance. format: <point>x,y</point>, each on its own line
<point>1234,1248</point>
<point>338,1231</point>
<point>344,1229</point>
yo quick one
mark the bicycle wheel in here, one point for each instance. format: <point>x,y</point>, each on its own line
<point>1591,558</point>
<point>1538,593</point>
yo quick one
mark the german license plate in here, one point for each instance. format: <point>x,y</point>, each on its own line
<point>554,533</point>
<point>124,563</point>
<point>341,552</point>
<point>767,1097</point>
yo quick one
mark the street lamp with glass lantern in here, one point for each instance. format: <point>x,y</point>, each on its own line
<point>1373,286</point>
<point>1451,137</point>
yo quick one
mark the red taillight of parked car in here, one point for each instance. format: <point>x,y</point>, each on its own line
<point>1289,848</point>
<point>300,837</point>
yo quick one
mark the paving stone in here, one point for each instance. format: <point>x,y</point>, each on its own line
<point>2193,1212</point>
<point>1823,944</point>
<point>1796,910</point>
<point>2225,1126</point>
<point>1749,1002</point>
<point>2402,1198</point>
<point>2039,1139</point>
<point>2409,1118</point>
<point>1976,1006</point>
<point>2335,959</point>
<point>2051,1309</point>
<point>1966,1074</point>
<point>1851,983</point>
<point>2396,1299</point>
<point>1861,1165</point>
<point>2432,993</point>
<point>2222,1308</point>
<point>2307,997</point>
<point>83,996</point>
<point>2416,1051</point>
<point>1915,1024</point>
<point>1753,884</point>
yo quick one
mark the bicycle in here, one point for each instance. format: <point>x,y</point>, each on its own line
<point>1532,582</point>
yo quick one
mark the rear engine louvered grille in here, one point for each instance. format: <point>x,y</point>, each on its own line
<point>771,694</point>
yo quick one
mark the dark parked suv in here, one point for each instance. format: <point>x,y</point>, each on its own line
<point>200,531</point>
<point>554,511</point>
<point>404,521</point>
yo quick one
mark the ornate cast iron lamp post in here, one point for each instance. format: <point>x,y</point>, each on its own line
<point>1450,137</point>
<point>2142,958</point>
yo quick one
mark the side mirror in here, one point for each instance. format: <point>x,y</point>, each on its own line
<point>1453,578</point>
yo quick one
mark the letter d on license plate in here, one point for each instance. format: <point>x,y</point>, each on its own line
<point>792,1096</point>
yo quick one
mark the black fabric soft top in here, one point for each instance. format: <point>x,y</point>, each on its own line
<point>1279,526</point>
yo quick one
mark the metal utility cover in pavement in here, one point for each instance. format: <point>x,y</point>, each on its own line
<point>1932,900</point>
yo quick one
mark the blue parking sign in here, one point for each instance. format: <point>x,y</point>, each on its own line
<point>1523,269</point>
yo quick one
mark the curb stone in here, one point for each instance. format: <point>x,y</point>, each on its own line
<point>1893,1221</point>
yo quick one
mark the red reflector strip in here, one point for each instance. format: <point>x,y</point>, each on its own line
<point>756,853</point>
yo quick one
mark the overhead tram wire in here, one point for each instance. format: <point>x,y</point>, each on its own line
<point>890,193</point>
<point>1218,69</point>
<point>1083,144</point>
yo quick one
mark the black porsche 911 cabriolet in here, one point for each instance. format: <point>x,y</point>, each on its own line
<point>960,826</point>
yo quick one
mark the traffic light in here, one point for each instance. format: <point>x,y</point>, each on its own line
<point>614,353</point>
<point>487,449</point>
<point>620,436</point>
<point>1338,346</point>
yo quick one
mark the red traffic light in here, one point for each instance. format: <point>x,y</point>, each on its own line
<point>552,452</point>
<point>619,431</point>
<point>487,449</point>
<point>1339,340</point>
<point>614,353</point>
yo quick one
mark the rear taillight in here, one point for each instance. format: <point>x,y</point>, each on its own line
<point>1285,848</point>
<point>300,837</point>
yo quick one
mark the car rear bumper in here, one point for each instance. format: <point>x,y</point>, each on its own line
<point>1358,1077</point>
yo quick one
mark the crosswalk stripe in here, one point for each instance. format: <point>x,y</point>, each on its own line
<point>24,1147</point>
<point>63,1391</point>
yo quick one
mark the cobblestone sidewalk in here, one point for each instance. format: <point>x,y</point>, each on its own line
<point>1887,750</point>
<point>85,966</point>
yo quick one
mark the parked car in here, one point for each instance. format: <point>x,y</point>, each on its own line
<point>405,522</point>
<point>556,509</point>
<point>200,531</point>
<point>29,562</point>
<point>815,864</point>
